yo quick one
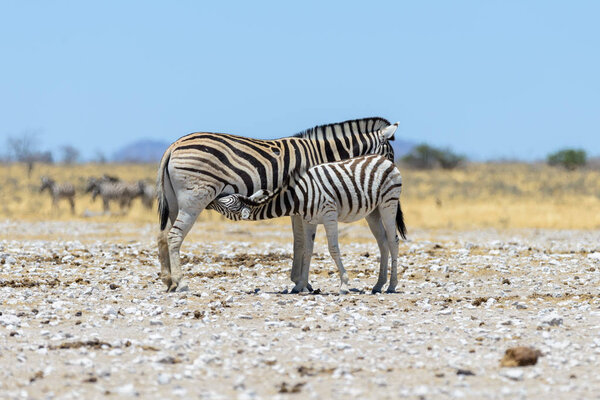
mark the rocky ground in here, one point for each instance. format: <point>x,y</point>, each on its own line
<point>84,315</point>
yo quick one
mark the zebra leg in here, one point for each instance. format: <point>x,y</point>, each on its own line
<point>298,258</point>
<point>331,228</point>
<point>72,202</point>
<point>106,205</point>
<point>376,226</point>
<point>55,203</point>
<point>163,254</point>
<point>389,222</point>
<point>309,231</point>
<point>194,204</point>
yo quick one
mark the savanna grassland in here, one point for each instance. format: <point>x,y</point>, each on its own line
<point>491,195</point>
<point>498,256</point>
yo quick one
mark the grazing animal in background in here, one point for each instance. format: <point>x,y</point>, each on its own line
<point>59,191</point>
<point>201,166</point>
<point>110,189</point>
<point>148,194</point>
<point>343,191</point>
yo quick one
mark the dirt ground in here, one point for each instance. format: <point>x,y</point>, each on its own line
<point>84,315</point>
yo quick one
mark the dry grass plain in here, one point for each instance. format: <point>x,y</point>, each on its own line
<point>490,195</point>
<point>499,255</point>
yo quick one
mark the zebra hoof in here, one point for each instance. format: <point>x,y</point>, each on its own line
<point>299,288</point>
<point>182,287</point>
<point>391,290</point>
<point>172,288</point>
<point>376,290</point>
<point>309,287</point>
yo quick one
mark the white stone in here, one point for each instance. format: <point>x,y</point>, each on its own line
<point>516,374</point>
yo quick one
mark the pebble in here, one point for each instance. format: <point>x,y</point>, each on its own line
<point>552,320</point>
<point>516,374</point>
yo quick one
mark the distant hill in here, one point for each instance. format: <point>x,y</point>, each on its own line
<point>142,151</point>
<point>150,151</point>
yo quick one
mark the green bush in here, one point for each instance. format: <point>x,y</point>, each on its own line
<point>425,157</point>
<point>568,158</point>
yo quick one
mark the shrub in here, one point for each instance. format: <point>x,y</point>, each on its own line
<point>424,157</point>
<point>568,158</point>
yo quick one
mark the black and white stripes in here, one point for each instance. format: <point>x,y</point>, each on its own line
<point>59,191</point>
<point>201,166</point>
<point>344,191</point>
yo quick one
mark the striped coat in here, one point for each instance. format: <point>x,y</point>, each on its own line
<point>344,191</point>
<point>59,191</point>
<point>110,189</point>
<point>199,167</point>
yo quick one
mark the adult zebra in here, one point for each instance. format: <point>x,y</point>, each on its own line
<point>201,166</point>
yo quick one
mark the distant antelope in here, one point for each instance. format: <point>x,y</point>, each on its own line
<point>110,189</point>
<point>345,191</point>
<point>59,191</point>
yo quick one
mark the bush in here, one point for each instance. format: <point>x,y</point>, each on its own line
<point>424,157</point>
<point>568,158</point>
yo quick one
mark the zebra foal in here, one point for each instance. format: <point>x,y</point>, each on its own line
<point>344,191</point>
<point>59,191</point>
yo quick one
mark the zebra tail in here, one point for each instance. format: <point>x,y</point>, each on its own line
<point>400,222</point>
<point>163,206</point>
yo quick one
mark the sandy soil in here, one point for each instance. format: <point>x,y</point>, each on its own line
<point>84,315</point>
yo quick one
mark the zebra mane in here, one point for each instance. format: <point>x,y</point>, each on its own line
<point>362,123</point>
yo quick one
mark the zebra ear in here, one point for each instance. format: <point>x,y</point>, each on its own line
<point>245,213</point>
<point>388,133</point>
<point>260,196</point>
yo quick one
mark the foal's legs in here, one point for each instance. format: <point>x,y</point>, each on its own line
<point>376,226</point>
<point>331,228</point>
<point>388,217</point>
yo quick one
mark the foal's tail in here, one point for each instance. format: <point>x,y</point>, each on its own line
<point>400,222</point>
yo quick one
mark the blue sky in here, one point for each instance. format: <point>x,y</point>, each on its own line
<point>490,79</point>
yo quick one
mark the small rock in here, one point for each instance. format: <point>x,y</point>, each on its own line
<point>520,305</point>
<point>513,373</point>
<point>520,357</point>
<point>108,310</point>
<point>127,390</point>
<point>552,320</point>
<point>465,372</point>
<point>164,379</point>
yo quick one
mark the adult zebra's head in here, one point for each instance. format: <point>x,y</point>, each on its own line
<point>47,183</point>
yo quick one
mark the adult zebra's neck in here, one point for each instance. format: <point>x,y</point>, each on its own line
<point>343,140</point>
<point>344,129</point>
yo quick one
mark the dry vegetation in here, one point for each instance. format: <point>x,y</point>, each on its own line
<point>498,195</point>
